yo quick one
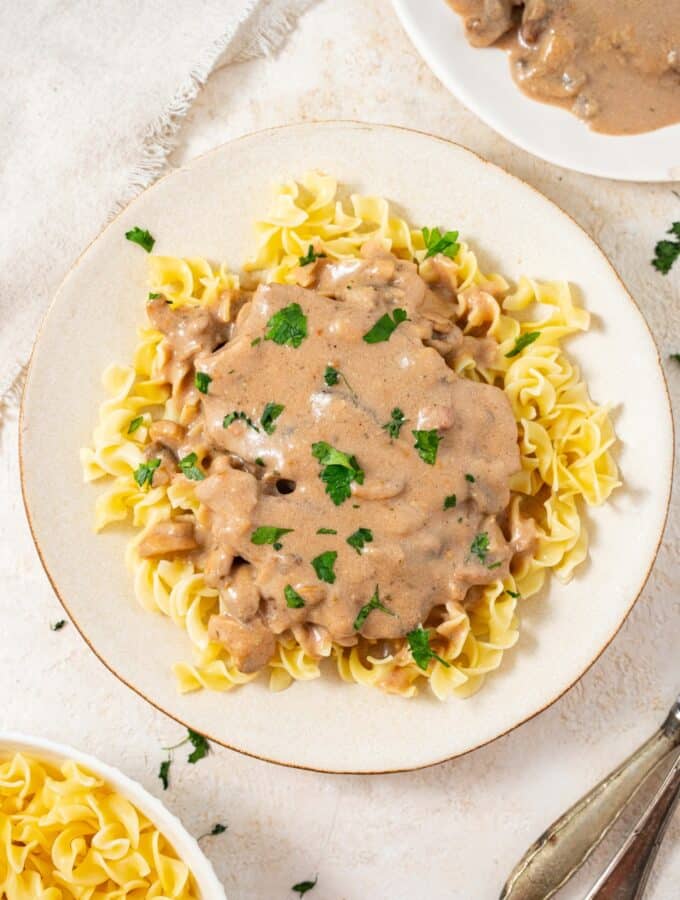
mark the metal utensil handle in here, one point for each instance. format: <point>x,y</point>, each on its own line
<point>565,846</point>
<point>626,875</point>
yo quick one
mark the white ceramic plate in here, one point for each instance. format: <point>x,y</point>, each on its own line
<point>481,79</point>
<point>207,209</point>
<point>185,845</point>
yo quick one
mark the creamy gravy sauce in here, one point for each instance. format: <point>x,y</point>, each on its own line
<point>420,555</point>
<point>614,63</point>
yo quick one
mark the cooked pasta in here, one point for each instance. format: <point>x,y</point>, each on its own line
<point>67,835</point>
<point>565,442</point>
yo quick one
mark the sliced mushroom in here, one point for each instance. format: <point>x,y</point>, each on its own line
<point>169,538</point>
<point>251,646</point>
<point>167,433</point>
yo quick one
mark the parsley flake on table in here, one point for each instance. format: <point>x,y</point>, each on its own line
<point>218,828</point>
<point>270,414</point>
<point>142,237</point>
<point>293,599</point>
<point>338,471</point>
<point>57,626</point>
<point>303,886</point>
<point>360,537</point>
<point>450,501</point>
<point>422,653</point>
<point>427,443</point>
<point>436,242</point>
<point>134,424</point>
<point>200,745</point>
<point>202,381</point>
<point>675,356</point>
<point>524,340</point>
<point>374,603</point>
<point>143,474</point>
<point>323,566</point>
<point>287,326</point>
<point>666,252</point>
<point>189,469</point>
<point>383,328</point>
<point>269,534</point>
<point>480,546</point>
<point>164,773</point>
<point>394,426</point>
<point>311,256</point>
<point>326,531</point>
<point>238,415</point>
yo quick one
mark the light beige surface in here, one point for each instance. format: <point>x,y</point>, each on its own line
<point>456,830</point>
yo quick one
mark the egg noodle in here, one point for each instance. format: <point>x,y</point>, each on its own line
<point>66,835</point>
<point>564,438</point>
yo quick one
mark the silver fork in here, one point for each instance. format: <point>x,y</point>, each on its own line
<point>570,840</point>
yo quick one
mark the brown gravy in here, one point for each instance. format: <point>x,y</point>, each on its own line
<point>420,554</point>
<point>613,63</point>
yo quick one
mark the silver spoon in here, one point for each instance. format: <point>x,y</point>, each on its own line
<point>570,840</point>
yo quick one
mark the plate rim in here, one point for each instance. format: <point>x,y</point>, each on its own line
<point>353,123</point>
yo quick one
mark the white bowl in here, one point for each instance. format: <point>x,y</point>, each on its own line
<point>207,209</point>
<point>169,825</point>
<point>481,79</point>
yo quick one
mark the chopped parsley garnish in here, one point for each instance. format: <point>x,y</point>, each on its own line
<point>269,534</point>
<point>383,328</point>
<point>287,326</point>
<point>436,242</point>
<point>142,237</point>
<point>338,471</point>
<point>495,565</point>
<point>331,376</point>
<point>666,252</point>
<point>374,603</point>
<point>360,537</point>
<point>311,256</point>
<point>450,501</point>
<point>200,745</point>
<point>419,643</point>
<point>323,566</point>
<point>164,773</point>
<point>143,474</point>
<point>514,594</point>
<point>326,531</point>
<point>676,357</point>
<point>470,478</point>
<point>259,461</point>
<point>523,341</point>
<point>57,626</point>
<point>426,444</point>
<point>394,426</point>
<point>202,380</point>
<point>303,886</point>
<point>238,415</point>
<point>256,341</point>
<point>480,546</point>
<point>293,599</point>
<point>271,412</point>
<point>189,468</point>
<point>216,829</point>
<point>134,424</point>
<point>153,296</point>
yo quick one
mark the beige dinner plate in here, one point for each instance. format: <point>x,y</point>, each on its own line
<point>207,209</point>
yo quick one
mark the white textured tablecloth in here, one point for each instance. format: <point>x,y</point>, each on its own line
<point>448,833</point>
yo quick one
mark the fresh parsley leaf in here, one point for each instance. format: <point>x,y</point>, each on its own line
<point>394,426</point>
<point>495,565</point>
<point>323,566</point>
<point>436,242</point>
<point>311,256</point>
<point>259,461</point>
<point>240,415</point>
<point>143,474</point>
<point>268,534</point>
<point>326,531</point>
<point>666,252</point>
<point>287,326</point>
<point>450,501</point>
<point>331,376</point>
<point>164,772</point>
<point>383,328</point>
<point>256,341</point>
<point>514,594</point>
<point>360,537</point>
<point>134,424</point>
<point>271,412</point>
<point>216,829</point>
<point>523,341</point>
<point>153,296</point>
<point>303,886</point>
<point>426,444</point>
<point>470,478</point>
<point>422,653</point>
<point>200,745</point>
<point>374,603</point>
<point>189,469</point>
<point>202,380</point>
<point>676,357</point>
<point>293,599</point>
<point>57,626</point>
<point>480,546</point>
<point>142,237</point>
<point>338,471</point>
